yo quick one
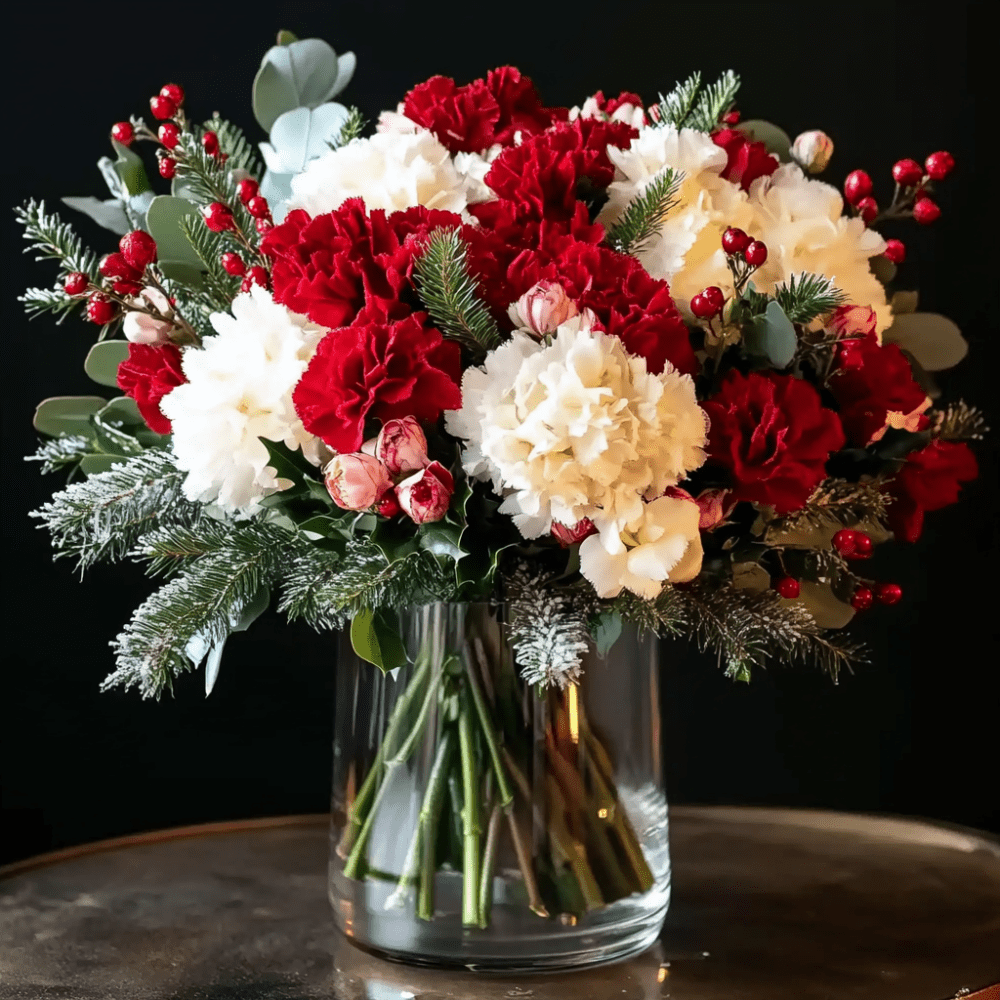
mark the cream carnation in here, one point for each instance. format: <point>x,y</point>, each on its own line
<point>239,389</point>
<point>576,428</point>
<point>389,170</point>
<point>662,544</point>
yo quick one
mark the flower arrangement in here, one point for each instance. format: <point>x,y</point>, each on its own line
<point>624,362</point>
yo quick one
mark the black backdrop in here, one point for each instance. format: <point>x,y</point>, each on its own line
<point>909,733</point>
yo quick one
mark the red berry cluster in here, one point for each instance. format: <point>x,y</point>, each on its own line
<point>853,544</point>
<point>913,182</point>
<point>124,270</point>
<point>708,303</point>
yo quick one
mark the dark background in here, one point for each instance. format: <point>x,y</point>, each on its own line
<point>913,732</point>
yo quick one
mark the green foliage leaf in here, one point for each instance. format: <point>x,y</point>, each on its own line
<point>93,465</point>
<point>109,213</point>
<point>772,336</point>
<point>935,342</point>
<point>776,140</point>
<point>826,609</point>
<point>103,360</point>
<point>605,628</point>
<point>176,258</point>
<point>375,638</point>
<point>300,74</point>
<point>882,268</point>
<point>67,415</point>
<point>128,169</point>
<point>301,135</point>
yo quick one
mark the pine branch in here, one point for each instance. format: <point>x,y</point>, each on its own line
<point>170,548</point>
<point>49,300</point>
<point>549,628</point>
<point>677,105</point>
<point>197,608</point>
<point>57,453</point>
<point>220,287</point>
<point>959,422</point>
<point>714,102</point>
<point>644,215</point>
<point>450,295</point>
<point>101,518</point>
<point>661,615</point>
<point>805,296</point>
<point>841,501</point>
<point>352,128</point>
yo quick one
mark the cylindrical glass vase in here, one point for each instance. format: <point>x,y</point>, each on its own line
<point>482,822</point>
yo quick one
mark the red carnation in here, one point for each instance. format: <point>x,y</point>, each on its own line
<point>929,480</point>
<point>381,369</point>
<point>628,302</point>
<point>869,381</point>
<point>543,176</point>
<point>463,118</point>
<point>148,373</point>
<point>520,106</point>
<point>746,160</point>
<point>334,266</point>
<point>774,437</point>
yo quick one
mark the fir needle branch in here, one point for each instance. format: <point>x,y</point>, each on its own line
<point>644,215</point>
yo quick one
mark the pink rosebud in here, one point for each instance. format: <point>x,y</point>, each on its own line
<point>357,481</point>
<point>567,536</point>
<point>426,495</point>
<point>542,308</point>
<point>401,446</point>
<point>140,327</point>
<point>853,321</point>
<point>712,508</point>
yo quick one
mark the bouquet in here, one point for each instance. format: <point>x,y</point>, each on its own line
<point>626,362</point>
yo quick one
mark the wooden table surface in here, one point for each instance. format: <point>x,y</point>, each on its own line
<point>769,904</point>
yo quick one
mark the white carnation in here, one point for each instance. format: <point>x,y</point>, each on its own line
<point>473,168</point>
<point>661,544</point>
<point>576,428</point>
<point>389,170</point>
<point>239,389</point>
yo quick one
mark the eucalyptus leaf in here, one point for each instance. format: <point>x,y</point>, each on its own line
<point>772,336</point>
<point>904,302</point>
<point>67,415</point>
<point>751,576</point>
<point>109,213</point>
<point>606,629</point>
<point>112,441</point>
<point>776,140</point>
<point>92,465</point>
<point>302,74</point>
<point>820,601</point>
<point>346,64</point>
<point>287,37</point>
<point>123,409</point>
<point>252,610</point>
<point>103,360</point>
<point>126,174</point>
<point>882,268</point>
<point>301,135</point>
<point>277,189</point>
<point>175,256</point>
<point>375,638</point>
<point>934,340</point>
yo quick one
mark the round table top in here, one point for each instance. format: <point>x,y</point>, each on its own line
<point>769,904</point>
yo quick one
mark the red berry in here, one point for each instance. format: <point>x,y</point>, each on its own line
<point>907,173</point>
<point>714,295</point>
<point>862,545</point>
<point>256,276</point>
<point>862,599</point>
<point>258,207</point>
<point>888,593</point>
<point>114,265</point>
<point>939,165</point>
<point>210,143</point>
<point>218,217</point>
<point>844,541</point>
<point>100,309</point>
<point>867,209</point>
<point>857,185</point>
<point>173,92</point>
<point>388,506</point>
<point>926,211</point>
<point>731,118</point>
<point>123,132</point>
<point>127,287</point>
<point>755,254</point>
<point>895,250</point>
<point>735,240</point>
<point>232,263</point>
<point>169,134</point>
<point>701,307</point>
<point>247,189</point>
<point>263,225</point>
<point>162,107</point>
<point>75,283</point>
<point>167,167</point>
<point>788,587</point>
<point>138,248</point>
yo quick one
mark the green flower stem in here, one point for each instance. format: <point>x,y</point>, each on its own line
<point>455,796</point>
<point>535,901</point>
<point>352,866</point>
<point>470,817</point>
<point>489,862</point>
<point>430,814</point>
<point>568,850</point>
<point>358,811</point>
<point>489,733</point>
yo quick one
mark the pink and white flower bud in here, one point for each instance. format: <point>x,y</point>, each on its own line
<point>426,496</point>
<point>140,327</point>
<point>812,151</point>
<point>849,322</point>
<point>402,446</point>
<point>356,481</point>
<point>542,308</point>
<point>712,508</point>
<point>567,536</point>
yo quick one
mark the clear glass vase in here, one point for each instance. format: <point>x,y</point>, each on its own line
<point>482,822</point>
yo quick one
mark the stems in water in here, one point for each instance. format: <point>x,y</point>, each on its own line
<point>470,816</point>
